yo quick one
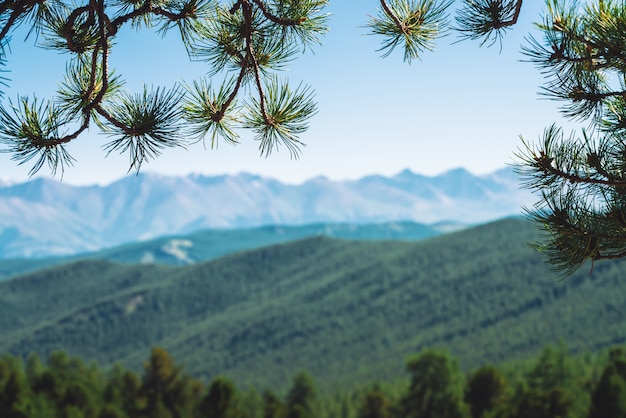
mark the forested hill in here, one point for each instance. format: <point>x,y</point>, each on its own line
<point>208,244</point>
<point>344,310</point>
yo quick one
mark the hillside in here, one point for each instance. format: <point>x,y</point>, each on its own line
<point>43,217</point>
<point>213,243</point>
<point>344,310</point>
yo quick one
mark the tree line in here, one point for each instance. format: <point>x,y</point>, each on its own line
<point>554,384</point>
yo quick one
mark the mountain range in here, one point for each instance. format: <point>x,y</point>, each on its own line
<point>347,311</point>
<point>44,217</point>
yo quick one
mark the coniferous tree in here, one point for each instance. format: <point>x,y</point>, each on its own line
<point>15,393</point>
<point>122,391</point>
<point>221,400</point>
<point>486,389</point>
<point>609,396</point>
<point>554,370</point>
<point>551,369</point>
<point>273,407</point>
<point>302,397</point>
<point>34,368</point>
<point>580,178</point>
<point>553,403</point>
<point>167,391</point>
<point>436,388</point>
<point>375,405</point>
<point>111,411</point>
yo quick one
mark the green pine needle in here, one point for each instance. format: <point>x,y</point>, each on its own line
<point>150,122</point>
<point>420,23</point>
<point>486,19</point>
<point>32,131</point>
<point>204,111</point>
<point>287,115</point>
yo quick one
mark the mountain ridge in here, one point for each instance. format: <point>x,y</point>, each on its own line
<point>149,205</point>
<point>204,245</point>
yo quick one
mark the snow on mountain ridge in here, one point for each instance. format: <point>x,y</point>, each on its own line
<point>150,205</point>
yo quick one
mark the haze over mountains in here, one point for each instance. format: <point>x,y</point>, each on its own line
<point>45,217</point>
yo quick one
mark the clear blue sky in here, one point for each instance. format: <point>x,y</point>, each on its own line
<point>460,106</point>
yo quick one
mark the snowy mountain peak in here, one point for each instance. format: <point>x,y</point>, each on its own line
<point>46,217</point>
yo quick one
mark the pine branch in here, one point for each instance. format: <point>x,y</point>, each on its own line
<point>487,19</point>
<point>277,19</point>
<point>413,24</point>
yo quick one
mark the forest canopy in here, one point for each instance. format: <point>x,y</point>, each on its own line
<point>553,384</point>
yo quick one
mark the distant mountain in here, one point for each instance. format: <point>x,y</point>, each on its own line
<point>184,249</point>
<point>347,311</point>
<point>44,217</point>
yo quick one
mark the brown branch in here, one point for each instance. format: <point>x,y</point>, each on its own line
<point>389,12</point>
<point>614,256</point>
<point>49,143</point>
<point>277,19</point>
<point>559,55</point>
<point>171,16</point>
<point>513,21</point>
<point>224,107</point>
<point>603,53</point>
<point>594,161</point>
<point>544,163</point>
<point>6,5</point>
<point>16,13</point>
<point>235,7</point>
<point>96,103</point>
<point>68,28</point>
<point>580,95</point>
<point>102,112</point>
<point>247,13</point>
<point>104,44</point>
<point>146,9</point>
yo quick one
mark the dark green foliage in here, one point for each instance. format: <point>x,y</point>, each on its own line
<point>553,403</point>
<point>486,389</point>
<point>220,401</point>
<point>375,405</point>
<point>609,397</point>
<point>121,393</point>
<point>109,411</point>
<point>346,311</point>
<point>248,39</point>
<point>15,393</point>
<point>579,178</point>
<point>273,407</point>
<point>167,392</point>
<point>551,370</point>
<point>302,397</point>
<point>436,388</point>
<point>556,380</point>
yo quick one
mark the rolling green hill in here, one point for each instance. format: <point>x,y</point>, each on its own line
<point>344,310</point>
<point>210,244</point>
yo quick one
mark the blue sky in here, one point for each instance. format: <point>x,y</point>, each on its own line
<point>460,106</point>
